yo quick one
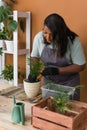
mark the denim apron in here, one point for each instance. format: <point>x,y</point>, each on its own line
<point>51,60</point>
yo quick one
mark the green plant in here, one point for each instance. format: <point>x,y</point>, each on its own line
<point>35,69</point>
<point>61,100</point>
<point>7,73</point>
<point>5,34</point>
<point>61,103</point>
<point>9,24</point>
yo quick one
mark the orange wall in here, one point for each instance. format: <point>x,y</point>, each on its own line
<point>74,13</point>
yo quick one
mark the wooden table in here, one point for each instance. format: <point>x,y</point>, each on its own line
<point>6,123</point>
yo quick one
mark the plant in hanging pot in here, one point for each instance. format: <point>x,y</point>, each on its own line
<point>8,74</point>
<point>32,83</point>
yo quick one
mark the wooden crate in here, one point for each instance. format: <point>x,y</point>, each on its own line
<point>45,119</point>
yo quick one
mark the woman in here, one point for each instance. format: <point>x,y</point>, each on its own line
<point>61,51</point>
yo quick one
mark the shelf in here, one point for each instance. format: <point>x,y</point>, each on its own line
<point>7,52</point>
<point>17,52</point>
<point>20,52</point>
<point>23,51</point>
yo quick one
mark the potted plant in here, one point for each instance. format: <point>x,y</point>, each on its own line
<point>8,73</point>
<point>32,83</point>
<point>5,12</point>
<point>9,25</point>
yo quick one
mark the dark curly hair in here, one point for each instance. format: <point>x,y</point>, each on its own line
<point>60,33</point>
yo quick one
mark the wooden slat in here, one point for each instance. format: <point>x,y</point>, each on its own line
<point>45,125</point>
<point>73,122</point>
<point>53,116</point>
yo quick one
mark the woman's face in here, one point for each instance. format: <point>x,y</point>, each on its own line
<point>47,34</point>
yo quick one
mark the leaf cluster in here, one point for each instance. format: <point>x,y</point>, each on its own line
<point>35,69</point>
<point>8,73</point>
<point>61,102</point>
<point>9,24</point>
<point>5,12</point>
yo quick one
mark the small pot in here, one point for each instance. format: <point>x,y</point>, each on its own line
<point>31,89</point>
<point>11,82</point>
<point>9,45</point>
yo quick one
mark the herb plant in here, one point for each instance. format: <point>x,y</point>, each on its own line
<point>35,70</point>
<point>61,103</point>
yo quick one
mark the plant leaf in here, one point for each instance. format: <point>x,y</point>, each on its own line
<point>13,25</point>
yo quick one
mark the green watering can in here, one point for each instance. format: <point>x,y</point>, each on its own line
<point>18,115</point>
